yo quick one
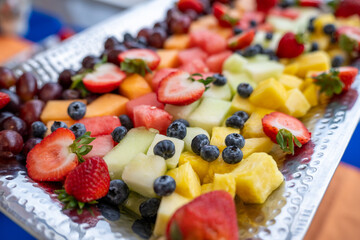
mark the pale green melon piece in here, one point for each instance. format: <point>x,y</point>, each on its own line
<point>181,111</point>
<point>133,202</point>
<point>192,132</point>
<point>219,92</point>
<point>274,43</point>
<point>235,79</point>
<point>261,71</point>
<point>235,63</point>
<point>259,58</point>
<point>282,24</point>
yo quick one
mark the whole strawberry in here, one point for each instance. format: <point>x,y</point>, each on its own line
<point>347,8</point>
<point>89,181</point>
<point>290,46</point>
<point>265,5</point>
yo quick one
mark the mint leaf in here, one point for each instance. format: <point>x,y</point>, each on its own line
<point>286,141</point>
<point>78,83</point>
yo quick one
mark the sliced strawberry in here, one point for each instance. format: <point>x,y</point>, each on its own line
<point>211,216</point>
<point>275,121</point>
<point>348,75</point>
<point>178,89</point>
<point>101,146</point>
<point>310,3</point>
<point>147,99</point>
<point>106,78</point>
<point>150,57</point>
<point>159,76</point>
<point>221,13</point>
<point>290,46</point>
<point>215,62</point>
<point>194,66</point>
<point>4,99</point>
<point>349,38</point>
<point>51,159</point>
<point>241,40</point>
<point>290,13</point>
<point>152,117</point>
<point>195,5</point>
<point>265,5</point>
<point>100,125</point>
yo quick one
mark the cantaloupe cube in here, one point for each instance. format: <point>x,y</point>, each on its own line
<point>205,22</point>
<point>107,105</point>
<point>290,81</point>
<point>311,93</point>
<point>57,110</point>
<point>177,41</point>
<point>225,182</point>
<point>296,104</point>
<point>51,122</point>
<point>149,76</point>
<point>269,94</point>
<point>241,104</point>
<point>219,134</point>
<point>134,86</point>
<point>291,68</point>
<point>224,32</point>
<point>253,126</point>
<point>252,145</point>
<point>256,178</point>
<point>313,61</point>
<point>187,181</point>
<point>169,58</point>
<point>207,187</point>
<point>199,165</point>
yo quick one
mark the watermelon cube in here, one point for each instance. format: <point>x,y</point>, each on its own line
<point>147,99</point>
<point>152,117</point>
<point>160,75</point>
<point>216,61</point>
<point>101,146</point>
<point>195,66</point>
<point>208,41</point>
<point>191,54</point>
<point>100,125</point>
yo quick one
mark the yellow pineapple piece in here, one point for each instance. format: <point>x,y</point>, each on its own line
<point>269,94</point>
<point>241,104</point>
<point>252,145</point>
<point>253,126</point>
<point>339,52</point>
<point>219,134</point>
<point>225,182</point>
<point>313,61</point>
<point>199,165</point>
<point>256,178</point>
<point>322,40</point>
<point>311,93</point>
<point>220,167</point>
<point>296,104</point>
<point>321,21</point>
<point>187,181</point>
<point>307,82</point>
<point>290,81</point>
<point>291,68</point>
<point>352,21</point>
<point>205,188</point>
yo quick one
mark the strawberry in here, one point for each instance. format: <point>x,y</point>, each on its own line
<point>211,216</point>
<point>139,61</point>
<point>265,5</point>
<point>285,130</point>
<point>195,5</point>
<point>347,76</point>
<point>178,89</point>
<point>310,3</point>
<point>4,99</point>
<point>347,8</point>
<point>89,181</point>
<point>290,46</point>
<point>160,75</point>
<point>105,78</point>
<point>349,38</point>
<point>290,13</point>
<point>98,126</point>
<point>221,13</point>
<point>241,40</point>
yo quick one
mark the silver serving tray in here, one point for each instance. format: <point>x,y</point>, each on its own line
<point>287,213</point>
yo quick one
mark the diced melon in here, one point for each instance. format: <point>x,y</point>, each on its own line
<point>187,181</point>
<point>205,22</point>
<point>199,165</point>
<point>260,71</point>
<point>210,113</point>
<point>290,81</point>
<point>256,178</point>
<point>282,24</point>
<point>241,104</point>
<point>179,146</point>
<point>311,93</point>
<point>192,132</point>
<point>322,20</point>
<point>253,126</point>
<point>207,187</point>
<point>252,145</point>
<point>224,32</point>
<point>291,69</point>
<point>177,41</point>
<point>134,86</point>
<point>181,111</point>
<point>169,58</point>
<point>235,79</point>
<point>296,104</point>
<point>56,110</point>
<point>137,140</point>
<point>219,92</point>
<point>107,105</point>
<point>133,202</point>
<point>235,63</point>
<point>219,134</point>
<point>269,94</point>
<point>322,40</point>
<point>225,182</point>
<point>313,61</point>
<point>167,208</point>
<point>259,58</point>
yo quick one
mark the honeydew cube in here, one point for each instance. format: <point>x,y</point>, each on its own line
<point>133,202</point>
<point>219,134</point>
<point>314,61</point>
<point>259,58</point>
<point>219,92</point>
<point>296,104</point>
<point>187,181</point>
<point>192,132</point>
<point>290,81</point>
<point>269,94</point>
<point>253,126</point>
<point>311,94</point>
<point>167,208</point>
<point>235,79</point>
<point>235,63</point>
<point>137,140</point>
<point>210,113</point>
<point>141,172</point>
<point>225,182</point>
<point>256,178</point>
<point>274,43</point>
<point>260,71</point>
<point>241,104</point>
<point>252,145</point>
<point>282,24</point>
<point>179,147</point>
<point>181,111</point>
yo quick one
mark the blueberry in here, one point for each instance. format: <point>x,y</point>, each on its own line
<point>235,139</point>
<point>274,58</point>
<point>209,153</point>
<point>176,130</point>
<point>143,228</point>
<point>269,52</point>
<point>38,129</point>
<point>314,47</point>
<point>237,30</point>
<point>333,39</point>
<point>77,110</point>
<point>220,80</point>
<point>244,90</point>
<point>198,142</point>
<point>253,23</point>
<point>57,125</point>
<point>126,121</point>
<point>243,115</point>
<point>118,133</point>
<point>185,122</point>
<point>329,29</point>
<point>286,3</point>
<point>269,36</point>
<point>232,155</point>
<point>250,51</point>
<point>78,129</point>
<point>259,48</point>
<point>337,61</point>
<point>165,149</point>
<point>235,122</point>
<point>164,185</point>
<point>311,28</point>
<point>118,192</point>
<point>110,212</point>
<point>312,19</point>
<point>149,208</point>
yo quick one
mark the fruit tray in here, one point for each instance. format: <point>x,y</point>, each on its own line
<point>286,214</point>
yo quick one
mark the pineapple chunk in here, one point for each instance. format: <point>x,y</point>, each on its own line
<point>225,182</point>
<point>219,134</point>
<point>322,40</point>
<point>241,104</point>
<point>205,188</point>
<point>311,93</point>
<point>253,145</point>
<point>296,104</point>
<point>253,126</point>
<point>313,61</point>
<point>290,82</point>
<point>269,94</point>
<point>187,181</point>
<point>199,165</point>
<point>291,68</point>
<point>256,178</point>
<point>321,21</point>
<point>218,166</point>
<point>167,208</point>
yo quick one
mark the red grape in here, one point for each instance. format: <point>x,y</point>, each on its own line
<point>157,38</point>
<point>146,33</point>
<point>16,124</point>
<point>90,61</point>
<point>180,24</point>
<point>11,143</point>
<point>7,78</point>
<point>30,112</point>
<point>4,116</point>
<point>50,91</point>
<point>71,94</point>
<point>65,78</point>
<point>14,104</point>
<point>30,144</point>
<point>111,43</point>
<point>26,86</point>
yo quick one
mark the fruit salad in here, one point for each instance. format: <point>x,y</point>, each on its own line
<point>176,123</point>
